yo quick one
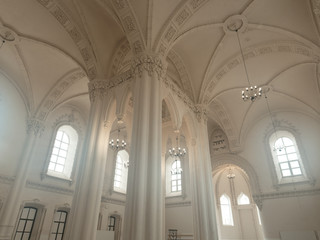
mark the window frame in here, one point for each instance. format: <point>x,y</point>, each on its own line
<point>26,220</point>
<point>38,220</point>
<point>61,176</point>
<point>169,161</point>
<point>64,210</point>
<point>124,175</point>
<point>278,179</point>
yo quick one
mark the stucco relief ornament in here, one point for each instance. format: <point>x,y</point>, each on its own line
<point>201,113</point>
<point>97,89</point>
<point>150,64</point>
<point>34,126</point>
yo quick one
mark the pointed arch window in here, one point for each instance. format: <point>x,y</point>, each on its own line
<point>243,199</point>
<point>286,156</point>
<point>63,152</point>
<point>121,172</point>
<point>226,210</point>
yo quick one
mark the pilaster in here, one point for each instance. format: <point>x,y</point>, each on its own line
<point>10,209</point>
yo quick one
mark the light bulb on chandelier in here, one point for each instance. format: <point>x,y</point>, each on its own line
<point>118,144</point>
<point>177,152</point>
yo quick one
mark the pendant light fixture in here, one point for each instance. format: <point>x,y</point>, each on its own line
<point>252,92</point>
<point>119,143</point>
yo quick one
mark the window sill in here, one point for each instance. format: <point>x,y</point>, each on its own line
<point>56,177</point>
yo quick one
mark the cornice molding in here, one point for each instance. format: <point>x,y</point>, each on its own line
<point>178,204</point>
<point>48,188</point>
<point>286,194</point>
<point>113,201</point>
<point>6,179</point>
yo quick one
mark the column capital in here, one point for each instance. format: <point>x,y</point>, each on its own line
<point>201,113</point>
<point>34,126</point>
<point>98,88</point>
<point>151,63</point>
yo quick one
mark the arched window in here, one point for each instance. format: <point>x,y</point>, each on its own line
<point>176,172</point>
<point>63,152</point>
<point>243,199</point>
<point>58,226</point>
<point>29,222</point>
<point>26,223</point>
<point>121,172</point>
<point>226,210</point>
<point>286,157</point>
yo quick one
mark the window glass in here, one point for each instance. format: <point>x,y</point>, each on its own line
<point>243,199</point>
<point>286,155</point>
<point>226,210</point>
<point>176,174</point>
<point>63,152</point>
<point>58,226</point>
<point>25,224</point>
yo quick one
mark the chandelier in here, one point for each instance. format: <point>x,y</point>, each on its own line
<point>118,144</point>
<point>177,152</point>
<point>252,92</point>
<point>281,146</point>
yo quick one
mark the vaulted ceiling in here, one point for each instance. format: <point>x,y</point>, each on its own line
<point>60,44</point>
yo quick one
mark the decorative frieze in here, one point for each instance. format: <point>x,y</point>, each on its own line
<point>201,113</point>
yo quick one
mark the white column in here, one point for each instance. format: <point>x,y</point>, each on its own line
<point>10,209</point>
<point>145,200</point>
<point>204,222</point>
<point>82,224</point>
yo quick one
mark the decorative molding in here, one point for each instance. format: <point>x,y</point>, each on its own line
<point>113,201</point>
<point>62,85</point>
<point>98,89</point>
<point>6,179</point>
<point>150,63</point>
<point>184,76</point>
<point>171,28</point>
<point>178,204</point>
<point>290,47</point>
<point>130,25</point>
<point>286,194</point>
<point>78,38</point>
<point>35,126</point>
<point>118,57</point>
<point>201,113</point>
<point>48,188</point>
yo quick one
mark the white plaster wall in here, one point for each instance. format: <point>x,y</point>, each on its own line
<point>180,218</point>
<point>298,214</point>
<point>13,116</point>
